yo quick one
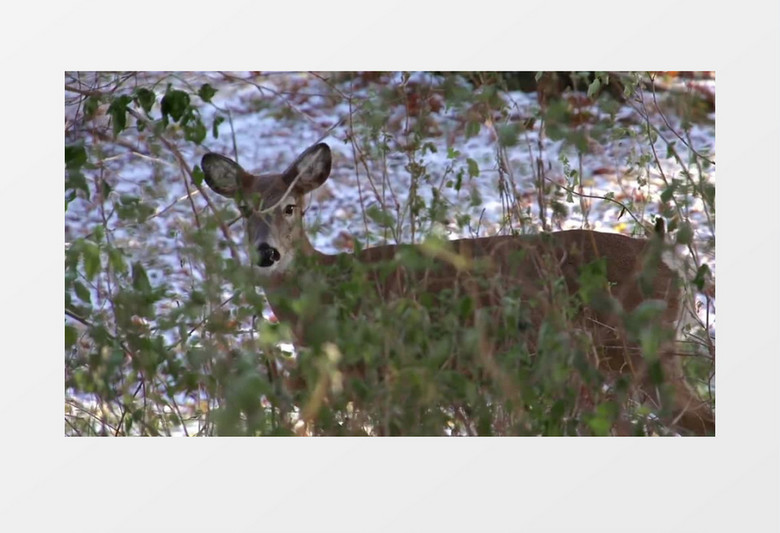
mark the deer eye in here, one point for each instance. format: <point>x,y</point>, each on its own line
<point>289,209</point>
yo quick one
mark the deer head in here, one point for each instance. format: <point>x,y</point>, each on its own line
<point>272,204</point>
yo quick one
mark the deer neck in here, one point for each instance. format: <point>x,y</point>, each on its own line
<point>282,289</point>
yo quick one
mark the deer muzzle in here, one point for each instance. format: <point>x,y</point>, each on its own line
<point>267,255</point>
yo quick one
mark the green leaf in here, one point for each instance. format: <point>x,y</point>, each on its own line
<point>603,418</point>
<point>75,156</point>
<point>670,149</point>
<point>702,274</point>
<point>195,131</point>
<point>91,257</point>
<point>198,298</point>
<point>140,279</point>
<point>118,112</point>
<point>508,135</point>
<point>75,182</point>
<point>593,280</point>
<point>473,168</point>
<point>380,216</point>
<point>99,234</point>
<point>215,126</point>
<point>667,193</point>
<point>656,372</point>
<point>70,195</point>
<point>91,105</point>
<point>105,188</point>
<point>206,92</point>
<point>71,335</point>
<point>594,87</point>
<point>472,128</point>
<point>145,98</point>
<point>458,183</point>
<point>72,254</point>
<point>197,175</point>
<point>82,292</point>
<point>685,234</point>
<point>174,103</point>
<point>116,260</point>
<point>708,193</point>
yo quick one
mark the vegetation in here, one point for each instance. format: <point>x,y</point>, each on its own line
<point>166,331</point>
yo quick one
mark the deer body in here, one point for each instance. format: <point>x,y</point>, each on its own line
<point>521,270</point>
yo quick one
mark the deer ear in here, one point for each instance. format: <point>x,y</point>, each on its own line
<point>311,168</point>
<point>222,175</point>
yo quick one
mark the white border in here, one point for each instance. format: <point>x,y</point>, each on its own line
<point>727,483</point>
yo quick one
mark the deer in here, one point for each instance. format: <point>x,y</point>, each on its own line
<point>482,268</point>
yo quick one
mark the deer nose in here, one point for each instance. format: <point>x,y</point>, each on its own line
<point>268,255</point>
